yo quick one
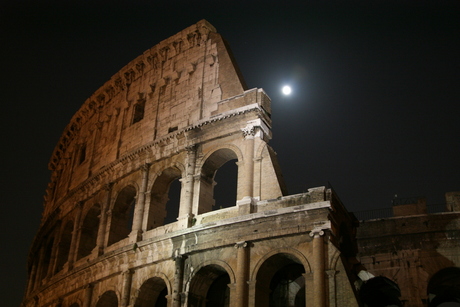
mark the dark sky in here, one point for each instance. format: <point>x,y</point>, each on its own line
<point>375,108</point>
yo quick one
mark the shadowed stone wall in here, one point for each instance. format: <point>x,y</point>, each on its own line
<point>111,232</point>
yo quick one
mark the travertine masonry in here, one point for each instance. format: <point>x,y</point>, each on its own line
<point>110,234</point>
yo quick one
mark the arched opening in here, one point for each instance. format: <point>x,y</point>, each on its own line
<point>380,292</point>
<point>46,260</point>
<point>165,198</point>
<point>88,234</point>
<point>64,246</point>
<point>74,305</point>
<point>280,282</point>
<point>122,215</point>
<point>152,293</point>
<point>209,287</point>
<point>444,288</point>
<point>226,196</point>
<point>108,299</point>
<point>225,185</point>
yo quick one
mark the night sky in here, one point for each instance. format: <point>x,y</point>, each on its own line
<point>374,111</point>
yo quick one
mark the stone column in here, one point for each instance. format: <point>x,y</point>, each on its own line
<point>39,270</point>
<point>31,279</point>
<point>178,280</point>
<point>248,170</point>
<point>309,291</point>
<point>186,206</point>
<point>75,232</point>
<point>318,265</point>
<point>332,292</point>
<point>245,201</point>
<point>241,274</point>
<point>126,291</point>
<point>54,254</point>
<point>252,292</point>
<point>103,220</point>
<point>136,233</point>
<point>88,295</point>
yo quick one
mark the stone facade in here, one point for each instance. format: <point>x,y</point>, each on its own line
<point>411,247</point>
<point>179,112</point>
<point>111,234</point>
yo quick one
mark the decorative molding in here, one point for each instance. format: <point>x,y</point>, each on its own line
<point>316,233</point>
<point>241,244</point>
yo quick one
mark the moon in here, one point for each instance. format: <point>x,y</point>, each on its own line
<point>286,90</point>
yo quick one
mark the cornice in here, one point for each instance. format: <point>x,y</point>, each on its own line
<point>135,155</point>
<point>119,82</point>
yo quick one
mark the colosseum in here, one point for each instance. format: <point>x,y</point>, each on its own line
<point>113,234</point>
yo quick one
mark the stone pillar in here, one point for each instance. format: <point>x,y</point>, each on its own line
<point>31,279</point>
<point>245,201</point>
<point>102,231</point>
<point>39,270</point>
<point>252,293</point>
<point>54,254</point>
<point>136,232</point>
<point>88,295</point>
<point>126,291</point>
<point>309,291</point>
<point>332,291</point>
<point>248,169</point>
<point>318,265</point>
<point>178,280</point>
<point>75,232</point>
<point>188,185</point>
<point>241,274</point>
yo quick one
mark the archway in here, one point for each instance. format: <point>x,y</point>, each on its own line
<point>64,246</point>
<point>88,234</point>
<point>108,299</point>
<point>209,287</point>
<point>280,282</point>
<point>225,185</point>
<point>122,215</point>
<point>45,259</point>
<point>152,293</point>
<point>165,198</point>
<point>214,162</point>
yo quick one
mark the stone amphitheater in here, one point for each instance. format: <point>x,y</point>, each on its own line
<point>112,235</point>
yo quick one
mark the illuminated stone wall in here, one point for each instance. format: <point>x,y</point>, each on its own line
<point>411,249</point>
<point>111,234</point>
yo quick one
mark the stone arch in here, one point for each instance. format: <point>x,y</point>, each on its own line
<point>88,231</point>
<point>208,167</point>
<point>122,214</point>
<point>46,255</point>
<point>444,287</point>
<point>153,292</point>
<point>159,213</point>
<point>108,299</point>
<point>334,259</point>
<point>289,251</point>
<point>260,150</point>
<point>64,246</point>
<point>279,279</point>
<point>216,262</point>
<point>209,285</point>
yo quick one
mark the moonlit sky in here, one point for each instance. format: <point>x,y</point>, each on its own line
<point>374,108</point>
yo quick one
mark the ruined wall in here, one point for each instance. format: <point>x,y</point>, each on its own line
<point>410,250</point>
<point>115,232</point>
<point>181,81</point>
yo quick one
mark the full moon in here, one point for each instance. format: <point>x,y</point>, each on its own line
<point>286,90</point>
